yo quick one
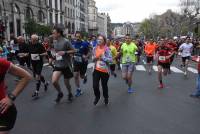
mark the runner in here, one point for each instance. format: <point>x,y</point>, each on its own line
<point>117,45</point>
<point>8,110</point>
<point>62,49</point>
<point>102,58</point>
<point>23,52</point>
<point>197,92</point>
<point>150,50</point>
<point>138,53</point>
<point>173,47</point>
<point>186,50</point>
<point>114,56</point>
<point>80,61</point>
<point>163,56</point>
<point>3,50</point>
<point>37,51</point>
<point>127,52</point>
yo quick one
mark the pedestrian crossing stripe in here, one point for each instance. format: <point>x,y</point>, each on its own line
<point>176,70</point>
<point>155,68</point>
<point>140,68</point>
<point>192,70</point>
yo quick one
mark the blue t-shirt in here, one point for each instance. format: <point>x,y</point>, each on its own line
<point>81,46</point>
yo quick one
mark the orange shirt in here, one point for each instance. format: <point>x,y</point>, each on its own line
<point>150,49</point>
<point>100,65</point>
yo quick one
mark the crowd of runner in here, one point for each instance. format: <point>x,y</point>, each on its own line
<point>70,58</point>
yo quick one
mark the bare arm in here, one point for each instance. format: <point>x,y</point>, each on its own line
<point>25,78</point>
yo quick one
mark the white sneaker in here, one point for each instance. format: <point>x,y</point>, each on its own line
<point>185,73</point>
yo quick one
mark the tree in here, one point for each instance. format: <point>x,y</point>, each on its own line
<point>31,27</point>
<point>168,24</point>
<point>191,10</point>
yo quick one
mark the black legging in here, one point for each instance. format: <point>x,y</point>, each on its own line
<point>104,77</point>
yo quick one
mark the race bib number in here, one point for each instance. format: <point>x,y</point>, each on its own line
<point>101,64</point>
<point>162,58</point>
<point>58,57</point>
<point>35,57</point>
<point>78,58</point>
<point>128,59</point>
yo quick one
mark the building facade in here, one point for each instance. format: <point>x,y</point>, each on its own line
<point>126,28</point>
<point>15,13</point>
<point>102,24</point>
<point>92,17</point>
<point>75,15</point>
<point>70,16</point>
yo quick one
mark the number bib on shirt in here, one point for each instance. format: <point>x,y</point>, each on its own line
<point>78,59</point>
<point>35,57</point>
<point>58,57</point>
<point>101,65</point>
<point>162,58</point>
<point>128,59</point>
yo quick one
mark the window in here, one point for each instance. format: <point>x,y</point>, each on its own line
<point>68,12</point>
<point>50,3</point>
<point>61,5</point>
<point>56,18</point>
<point>61,19</point>
<point>39,2</point>
<point>56,4</point>
<point>40,16</point>
<point>0,11</point>
<point>51,18</point>
<point>29,13</point>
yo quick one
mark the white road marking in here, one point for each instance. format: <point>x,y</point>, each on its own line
<point>192,70</point>
<point>140,68</point>
<point>155,68</point>
<point>176,70</point>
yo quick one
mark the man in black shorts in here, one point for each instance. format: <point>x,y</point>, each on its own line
<point>37,51</point>
<point>80,61</point>
<point>164,54</point>
<point>62,50</point>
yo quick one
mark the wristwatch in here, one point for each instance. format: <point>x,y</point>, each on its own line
<point>11,96</point>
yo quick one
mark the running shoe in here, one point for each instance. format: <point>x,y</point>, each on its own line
<point>85,79</point>
<point>46,86</point>
<point>185,73</point>
<point>78,92</point>
<point>59,97</point>
<point>96,101</point>
<point>70,97</point>
<point>130,90</point>
<point>35,94</point>
<point>195,95</point>
<point>106,101</point>
<point>161,86</point>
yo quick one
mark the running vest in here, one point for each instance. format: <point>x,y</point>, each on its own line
<point>128,53</point>
<point>162,54</point>
<point>101,65</point>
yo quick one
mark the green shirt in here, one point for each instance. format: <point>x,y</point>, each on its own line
<point>128,53</point>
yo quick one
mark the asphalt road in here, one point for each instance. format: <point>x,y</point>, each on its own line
<point>148,111</point>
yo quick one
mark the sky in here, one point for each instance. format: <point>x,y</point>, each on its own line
<point>135,10</point>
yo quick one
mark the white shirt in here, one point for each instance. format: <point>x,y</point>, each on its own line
<point>186,49</point>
